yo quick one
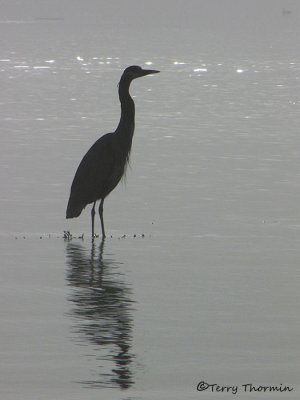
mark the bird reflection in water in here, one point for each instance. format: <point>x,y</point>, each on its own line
<point>102,312</point>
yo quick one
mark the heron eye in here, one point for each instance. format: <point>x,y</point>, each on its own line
<point>134,69</point>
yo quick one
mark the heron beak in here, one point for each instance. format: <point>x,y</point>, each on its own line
<point>149,72</point>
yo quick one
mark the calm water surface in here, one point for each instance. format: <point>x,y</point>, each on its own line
<point>199,278</point>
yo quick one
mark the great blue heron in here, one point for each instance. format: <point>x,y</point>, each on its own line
<point>103,166</point>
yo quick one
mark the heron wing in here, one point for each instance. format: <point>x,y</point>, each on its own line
<point>93,176</point>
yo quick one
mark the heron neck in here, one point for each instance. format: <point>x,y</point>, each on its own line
<point>126,124</point>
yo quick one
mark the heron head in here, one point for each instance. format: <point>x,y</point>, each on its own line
<point>134,71</point>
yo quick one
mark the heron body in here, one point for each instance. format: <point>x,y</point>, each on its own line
<point>103,166</point>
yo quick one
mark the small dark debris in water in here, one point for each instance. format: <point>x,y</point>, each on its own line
<point>67,235</point>
<point>135,235</point>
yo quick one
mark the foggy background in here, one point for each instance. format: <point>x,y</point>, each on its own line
<point>225,26</point>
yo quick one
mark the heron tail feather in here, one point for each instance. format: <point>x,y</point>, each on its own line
<point>73,211</point>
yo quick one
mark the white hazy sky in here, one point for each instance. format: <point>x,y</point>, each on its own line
<point>153,12</point>
<point>226,21</point>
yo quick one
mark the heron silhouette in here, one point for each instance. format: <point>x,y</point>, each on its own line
<point>103,166</point>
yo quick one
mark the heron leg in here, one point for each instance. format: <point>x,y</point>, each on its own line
<point>93,220</point>
<point>101,217</point>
